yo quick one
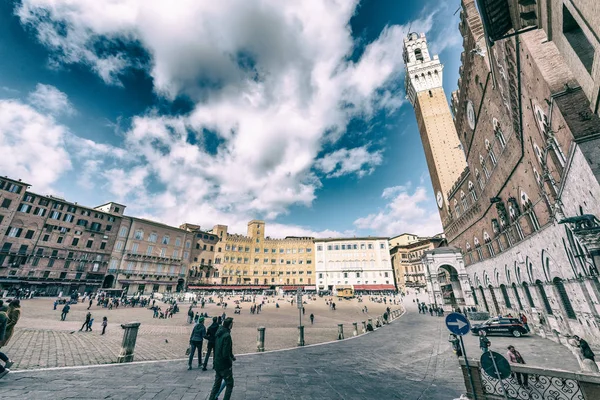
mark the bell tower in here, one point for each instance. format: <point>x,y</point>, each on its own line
<point>443,151</point>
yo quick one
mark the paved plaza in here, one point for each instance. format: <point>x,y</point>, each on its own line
<point>41,340</point>
<point>408,359</point>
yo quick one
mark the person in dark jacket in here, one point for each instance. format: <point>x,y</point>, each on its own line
<point>65,311</point>
<point>211,336</point>
<point>86,323</point>
<point>198,334</point>
<point>223,360</point>
<point>586,351</point>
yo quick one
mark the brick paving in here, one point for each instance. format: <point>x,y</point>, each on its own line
<point>409,359</point>
<point>41,340</point>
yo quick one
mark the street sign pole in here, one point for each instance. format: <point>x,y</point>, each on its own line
<point>498,375</point>
<point>462,346</point>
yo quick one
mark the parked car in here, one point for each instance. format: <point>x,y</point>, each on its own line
<point>501,326</point>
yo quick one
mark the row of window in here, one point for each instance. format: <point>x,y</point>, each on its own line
<point>238,272</point>
<point>132,266</point>
<point>354,246</point>
<point>246,260</point>
<point>338,275</point>
<point>153,237</point>
<point>266,250</point>
<point>10,187</point>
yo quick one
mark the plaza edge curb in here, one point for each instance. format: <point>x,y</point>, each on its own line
<point>74,367</point>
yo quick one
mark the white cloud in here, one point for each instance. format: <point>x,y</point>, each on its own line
<point>33,145</point>
<point>408,211</point>
<point>271,81</point>
<point>347,161</point>
<point>47,98</point>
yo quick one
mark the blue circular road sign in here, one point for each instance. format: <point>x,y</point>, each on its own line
<point>457,324</point>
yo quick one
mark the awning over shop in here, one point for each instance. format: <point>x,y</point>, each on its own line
<point>374,288</point>
<point>142,282</point>
<point>289,288</point>
<point>310,288</point>
<point>228,287</point>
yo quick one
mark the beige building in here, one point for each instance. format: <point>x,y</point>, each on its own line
<point>149,257</point>
<point>423,84</point>
<point>206,255</point>
<point>258,260</point>
<point>406,252</point>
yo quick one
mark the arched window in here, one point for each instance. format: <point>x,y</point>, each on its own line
<point>514,286</point>
<point>554,150</point>
<point>484,167</point>
<point>456,208</point>
<point>418,55</point>
<point>478,248</point>
<point>491,153</point>
<point>528,294</point>
<point>479,179</point>
<point>463,200</point>
<point>564,298</point>
<point>468,248</point>
<point>496,306</point>
<point>542,291</point>
<point>472,191</point>
<point>528,208</point>
<point>498,133</point>
<point>505,295</point>
<point>485,303</point>
<point>474,296</point>
<point>488,242</point>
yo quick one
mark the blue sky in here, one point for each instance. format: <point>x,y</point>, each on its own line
<point>218,113</point>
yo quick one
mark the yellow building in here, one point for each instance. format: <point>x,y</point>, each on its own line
<point>407,251</point>
<point>256,260</point>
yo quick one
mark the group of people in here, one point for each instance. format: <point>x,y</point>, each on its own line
<point>432,309</point>
<point>218,337</point>
<point>9,316</point>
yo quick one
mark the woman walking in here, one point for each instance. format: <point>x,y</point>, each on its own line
<point>13,313</point>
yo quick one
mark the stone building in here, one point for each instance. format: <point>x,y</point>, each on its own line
<point>528,122</point>
<point>406,253</point>
<point>258,261</point>
<point>51,245</point>
<point>363,263</point>
<point>206,255</point>
<point>149,257</point>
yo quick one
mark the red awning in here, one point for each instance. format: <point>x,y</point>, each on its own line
<point>374,288</point>
<point>229,287</point>
<point>291,288</point>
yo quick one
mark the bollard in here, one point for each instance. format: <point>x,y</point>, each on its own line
<point>260,344</point>
<point>364,324</point>
<point>355,330</point>
<point>340,331</point>
<point>128,344</point>
<point>301,335</point>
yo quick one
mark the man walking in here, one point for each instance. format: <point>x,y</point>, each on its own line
<point>198,334</point>
<point>65,311</point>
<point>90,304</point>
<point>515,358</point>
<point>223,360</point>
<point>211,336</point>
<point>86,323</point>
<point>484,342</point>
<point>312,318</point>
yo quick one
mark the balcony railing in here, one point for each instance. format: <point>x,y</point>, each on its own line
<point>543,383</point>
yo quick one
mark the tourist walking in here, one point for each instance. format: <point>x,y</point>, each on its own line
<point>211,336</point>
<point>65,311</point>
<point>484,342</point>
<point>514,357</point>
<point>223,360</point>
<point>91,302</point>
<point>196,339</point>
<point>86,323</point>
<point>13,313</point>
<point>312,318</point>
<point>4,369</point>
<point>104,325</point>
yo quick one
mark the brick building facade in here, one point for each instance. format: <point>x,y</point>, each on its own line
<point>530,134</point>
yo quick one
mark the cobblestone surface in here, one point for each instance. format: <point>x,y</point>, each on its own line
<point>408,359</point>
<point>41,340</point>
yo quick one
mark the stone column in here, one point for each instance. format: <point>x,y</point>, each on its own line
<point>340,331</point>
<point>355,330</point>
<point>128,344</point>
<point>260,343</point>
<point>301,335</point>
<point>364,326</point>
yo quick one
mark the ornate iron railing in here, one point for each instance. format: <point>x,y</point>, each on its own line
<point>538,387</point>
